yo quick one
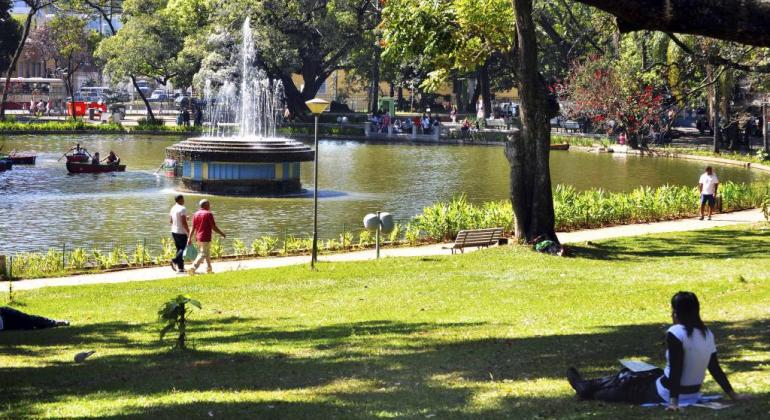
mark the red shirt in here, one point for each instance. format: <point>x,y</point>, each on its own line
<point>203,221</point>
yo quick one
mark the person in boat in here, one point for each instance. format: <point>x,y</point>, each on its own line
<point>690,352</point>
<point>95,159</point>
<point>77,150</point>
<point>113,159</point>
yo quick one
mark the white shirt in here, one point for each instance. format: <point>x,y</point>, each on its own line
<point>709,183</point>
<point>177,213</point>
<point>697,353</point>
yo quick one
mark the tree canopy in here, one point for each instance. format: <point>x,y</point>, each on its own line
<point>11,30</point>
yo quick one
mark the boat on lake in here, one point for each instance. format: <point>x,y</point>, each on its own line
<point>564,146</point>
<point>5,164</point>
<point>22,158</point>
<point>79,161</point>
<point>93,168</point>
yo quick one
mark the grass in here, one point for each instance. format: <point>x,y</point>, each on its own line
<point>485,335</point>
<point>758,155</point>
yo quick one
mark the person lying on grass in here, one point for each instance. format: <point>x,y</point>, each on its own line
<point>690,351</point>
<point>11,319</point>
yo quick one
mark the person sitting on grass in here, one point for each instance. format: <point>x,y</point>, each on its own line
<point>690,352</point>
<point>11,319</point>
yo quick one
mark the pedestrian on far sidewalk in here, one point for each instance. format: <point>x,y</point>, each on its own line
<point>708,184</point>
<point>180,231</point>
<point>203,225</point>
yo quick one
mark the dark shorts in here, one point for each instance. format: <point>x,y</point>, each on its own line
<point>708,198</point>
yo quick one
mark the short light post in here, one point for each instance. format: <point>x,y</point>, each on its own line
<point>316,106</point>
<point>380,223</point>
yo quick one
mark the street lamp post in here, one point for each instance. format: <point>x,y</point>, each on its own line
<point>316,106</point>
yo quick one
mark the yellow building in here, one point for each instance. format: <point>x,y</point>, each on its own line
<point>339,88</point>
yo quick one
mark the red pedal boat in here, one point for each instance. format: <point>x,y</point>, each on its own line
<point>22,158</point>
<point>93,168</point>
<point>79,161</point>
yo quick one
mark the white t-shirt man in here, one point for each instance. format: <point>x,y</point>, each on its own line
<point>178,213</point>
<point>709,183</point>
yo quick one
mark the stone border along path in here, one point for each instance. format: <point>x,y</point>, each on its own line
<point>164,272</point>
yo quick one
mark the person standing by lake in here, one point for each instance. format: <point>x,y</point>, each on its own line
<point>203,226</point>
<point>708,184</point>
<point>180,231</point>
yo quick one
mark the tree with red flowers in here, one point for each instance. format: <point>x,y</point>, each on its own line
<point>611,98</point>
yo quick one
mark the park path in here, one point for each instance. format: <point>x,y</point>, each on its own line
<point>158,273</point>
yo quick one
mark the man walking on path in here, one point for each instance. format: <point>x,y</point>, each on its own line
<point>180,231</point>
<point>708,185</point>
<point>203,225</point>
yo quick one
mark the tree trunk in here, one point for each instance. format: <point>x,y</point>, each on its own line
<point>474,99</point>
<point>15,60</point>
<point>150,115</point>
<point>374,86</point>
<point>713,103</point>
<point>400,98</point>
<point>528,151</point>
<point>486,91</point>
<point>71,91</point>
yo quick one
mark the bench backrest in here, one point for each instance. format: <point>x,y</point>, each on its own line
<point>478,237</point>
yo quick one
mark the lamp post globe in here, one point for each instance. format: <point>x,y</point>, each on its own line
<point>316,106</point>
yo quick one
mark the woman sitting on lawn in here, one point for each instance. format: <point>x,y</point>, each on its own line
<point>690,351</point>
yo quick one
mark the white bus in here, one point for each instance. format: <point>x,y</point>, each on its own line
<point>24,91</point>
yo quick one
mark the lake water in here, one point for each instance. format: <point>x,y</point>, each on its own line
<point>42,206</point>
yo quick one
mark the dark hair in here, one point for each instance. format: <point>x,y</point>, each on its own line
<point>178,198</point>
<point>687,309</point>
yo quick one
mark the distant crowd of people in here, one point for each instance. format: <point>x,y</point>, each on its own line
<point>383,122</point>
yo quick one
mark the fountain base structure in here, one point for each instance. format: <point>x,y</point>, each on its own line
<point>240,166</point>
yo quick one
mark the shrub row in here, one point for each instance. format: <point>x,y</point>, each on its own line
<point>439,222</point>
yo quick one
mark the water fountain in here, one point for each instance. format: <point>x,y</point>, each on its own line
<point>240,153</point>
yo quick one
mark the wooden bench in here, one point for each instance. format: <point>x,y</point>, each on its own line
<point>475,238</point>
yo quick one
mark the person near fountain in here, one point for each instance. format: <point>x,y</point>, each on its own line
<point>180,231</point>
<point>198,121</point>
<point>12,319</point>
<point>708,185</point>
<point>203,226</point>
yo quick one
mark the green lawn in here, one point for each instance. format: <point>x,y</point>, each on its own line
<point>484,335</point>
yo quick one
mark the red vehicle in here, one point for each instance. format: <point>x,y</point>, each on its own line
<point>81,107</point>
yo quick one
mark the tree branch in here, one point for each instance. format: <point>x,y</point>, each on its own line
<point>744,22</point>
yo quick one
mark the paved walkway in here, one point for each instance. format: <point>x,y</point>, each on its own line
<point>158,273</point>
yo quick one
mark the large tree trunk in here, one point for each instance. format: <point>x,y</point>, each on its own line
<point>486,91</point>
<point>713,104</point>
<point>374,82</point>
<point>741,21</point>
<point>528,151</point>
<point>15,60</point>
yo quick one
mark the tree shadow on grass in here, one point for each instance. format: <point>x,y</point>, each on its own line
<point>705,244</point>
<point>357,375</point>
